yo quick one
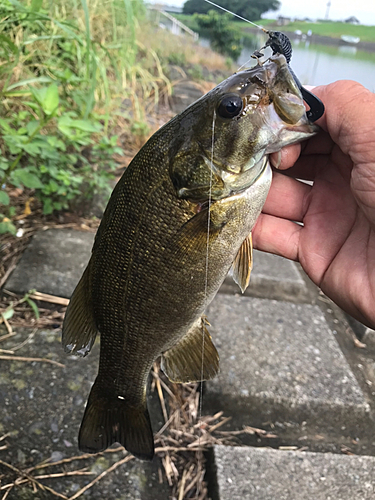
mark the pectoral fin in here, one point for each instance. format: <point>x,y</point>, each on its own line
<point>243,264</point>
<point>79,328</point>
<point>193,234</point>
<point>184,361</point>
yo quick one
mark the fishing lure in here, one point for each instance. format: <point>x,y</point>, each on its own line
<point>280,44</point>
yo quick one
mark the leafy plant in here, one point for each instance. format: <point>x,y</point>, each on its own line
<point>223,37</point>
<point>10,310</point>
<point>65,69</point>
<point>46,142</point>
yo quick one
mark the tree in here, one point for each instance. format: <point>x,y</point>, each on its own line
<point>249,9</point>
<point>223,37</point>
<point>197,7</point>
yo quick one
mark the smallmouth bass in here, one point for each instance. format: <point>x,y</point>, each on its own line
<point>147,283</point>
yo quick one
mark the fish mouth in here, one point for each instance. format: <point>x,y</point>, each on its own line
<point>284,133</point>
<point>291,134</point>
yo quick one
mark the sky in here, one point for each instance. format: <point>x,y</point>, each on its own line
<point>364,10</point>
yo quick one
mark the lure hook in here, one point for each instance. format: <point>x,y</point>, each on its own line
<point>280,44</point>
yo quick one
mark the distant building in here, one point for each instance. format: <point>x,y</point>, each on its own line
<point>283,21</point>
<point>352,20</point>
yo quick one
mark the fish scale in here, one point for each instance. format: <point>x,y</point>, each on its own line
<point>147,283</point>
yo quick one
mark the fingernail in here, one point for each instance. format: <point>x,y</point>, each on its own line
<point>275,159</point>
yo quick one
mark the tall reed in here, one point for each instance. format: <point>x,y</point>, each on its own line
<point>94,42</point>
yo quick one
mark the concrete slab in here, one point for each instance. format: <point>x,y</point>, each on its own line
<point>273,277</point>
<point>41,409</point>
<point>369,339</point>
<point>55,259</point>
<point>265,474</point>
<point>52,263</point>
<point>279,361</point>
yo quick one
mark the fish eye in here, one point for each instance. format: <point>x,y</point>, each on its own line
<point>230,106</point>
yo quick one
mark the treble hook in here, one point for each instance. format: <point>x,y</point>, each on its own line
<point>280,44</point>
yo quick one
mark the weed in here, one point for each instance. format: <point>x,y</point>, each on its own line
<point>64,70</point>
<point>9,311</point>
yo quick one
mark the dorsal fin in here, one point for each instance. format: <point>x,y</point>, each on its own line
<point>79,328</point>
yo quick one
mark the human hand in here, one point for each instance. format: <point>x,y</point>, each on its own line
<point>336,244</point>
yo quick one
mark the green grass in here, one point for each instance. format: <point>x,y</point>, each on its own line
<point>330,29</point>
<point>66,66</point>
<point>188,20</point>
<point>76,78</point>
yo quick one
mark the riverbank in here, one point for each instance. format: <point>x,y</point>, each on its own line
<point>314,38</point>
<point>327,33</point>
<point>331,29</point>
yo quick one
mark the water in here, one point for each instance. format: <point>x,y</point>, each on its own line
<point>318,64</point>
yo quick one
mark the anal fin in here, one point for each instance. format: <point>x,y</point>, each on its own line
<point>79,328</point>
<point>184,361</point>
<point>243,264</point>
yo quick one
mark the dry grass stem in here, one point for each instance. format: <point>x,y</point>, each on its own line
<point>6,494</point>
<point>31,479</point>
<point>6,323</point>
<point>163,384</point>
<point>46,464</point>
<point>9,270</point>
<point>180,445</point>
<point>162,402</point>
<point>182,485</point>
<point>103,474</point>
<point>7,336</point>
<point>53,299</point>
<point>22,344</point>
<point>24,476</point>
<point>39,360</point>
<point>65,474</point>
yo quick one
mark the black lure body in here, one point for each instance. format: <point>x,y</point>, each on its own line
<point>280,44</point>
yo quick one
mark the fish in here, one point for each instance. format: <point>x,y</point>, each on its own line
<point>177,221</point>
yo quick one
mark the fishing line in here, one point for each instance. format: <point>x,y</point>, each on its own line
<point>234,14</point>
<point>207,259</point>
<point>280,44</point>
<point>207,252</point>
<point>243,19</point>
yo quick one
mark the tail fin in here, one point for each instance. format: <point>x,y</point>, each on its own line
<point>109,419</point>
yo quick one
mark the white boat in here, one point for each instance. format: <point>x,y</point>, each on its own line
<point>352,40</point>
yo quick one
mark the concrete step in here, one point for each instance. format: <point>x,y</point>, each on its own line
<point>281,368</point>
<point>55,259</point>
<point>280,364</point>
<point>42,405</point>
<point>248,473</point>
<point>52,263</point>
<point>274,277</point>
